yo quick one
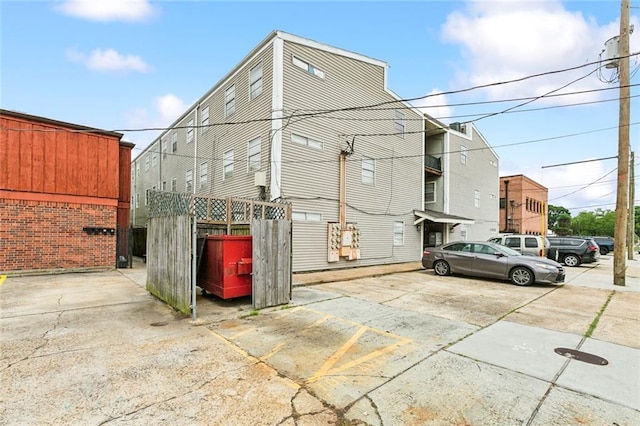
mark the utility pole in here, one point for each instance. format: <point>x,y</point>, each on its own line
<point>622,199</point>
<point>632,210</point>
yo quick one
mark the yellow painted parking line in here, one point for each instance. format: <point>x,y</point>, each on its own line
<point>2,278</point>
<point>280,345</point>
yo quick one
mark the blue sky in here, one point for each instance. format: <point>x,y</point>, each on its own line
<point>127,64</point>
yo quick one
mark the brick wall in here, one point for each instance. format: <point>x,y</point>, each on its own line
<point>49,235</point>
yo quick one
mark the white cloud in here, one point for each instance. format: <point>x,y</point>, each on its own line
<point>506,40</point>
<point>165,110</point>
<point>109,10</point>
<point>109,60</point>
<point>435,105</point>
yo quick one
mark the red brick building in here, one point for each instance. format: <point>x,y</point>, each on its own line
<point>64,191</point>
<point>523,205</point>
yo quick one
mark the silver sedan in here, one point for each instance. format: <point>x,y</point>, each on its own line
<point>490,260</point>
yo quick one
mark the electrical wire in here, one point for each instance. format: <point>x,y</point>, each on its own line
<point>584,187</point>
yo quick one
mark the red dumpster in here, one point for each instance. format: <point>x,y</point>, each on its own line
<point>226,265</point>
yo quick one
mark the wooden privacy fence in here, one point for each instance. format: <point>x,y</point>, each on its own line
<point>169,244</point>
<point>169,248</point>
<point>271,280</point>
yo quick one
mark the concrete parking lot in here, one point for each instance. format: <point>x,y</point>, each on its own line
<point>402,348</point>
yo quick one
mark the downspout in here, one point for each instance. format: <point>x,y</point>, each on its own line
<point>194,231</point>
<point>343,190</point>
<point>506,206</point>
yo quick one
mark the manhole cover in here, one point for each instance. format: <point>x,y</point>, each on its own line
<point>158,324</point>
<point>581,356</point>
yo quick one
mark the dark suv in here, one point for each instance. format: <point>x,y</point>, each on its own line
<point>573,251</point>
<point>605,244</point>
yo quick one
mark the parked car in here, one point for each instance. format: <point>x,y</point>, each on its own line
<point>573,251</point>
<point>605,244</point>
<point>530,245</point>
<point>491,260</point>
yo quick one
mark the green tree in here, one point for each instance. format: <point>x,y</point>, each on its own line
<point>599,222</point>
<point>556,213</point>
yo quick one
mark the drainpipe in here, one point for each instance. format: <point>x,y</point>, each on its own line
<point>343,189</point>
<point>506,205</point>
<point>194,231</point>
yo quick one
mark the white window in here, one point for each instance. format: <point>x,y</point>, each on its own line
<point>190,128</point>
<point>146,162</point>
<point>154,159</point>
<point>174,184</point>
<point>253,155</point>
<point>306,216</point>
<point>476,198</point>
<point>398,233</point>
<point>303,140</point>
<point>230,101</point>
<point>429,192</point>
<point>204,119</point>
<point>204,175</point>
<point>308,67</point>
<point>399,122</point>
<point>164,148</point>
<point>227,164</point>
<point>174,142</point>
<point>137,169</point>
<point>463,154</point>
<point>137,200</point>
<point>188,178</point>
<point>146,197</point>
<point>255,81</point>
<point>164,185</point>
<point>368,171</point>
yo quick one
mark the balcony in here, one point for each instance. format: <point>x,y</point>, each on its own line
<point>432,165</point>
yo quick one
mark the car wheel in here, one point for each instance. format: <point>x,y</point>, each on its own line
<point>604,251</point>
<point>521,276</point>
<point>571,260</point>
<point>441,267</point>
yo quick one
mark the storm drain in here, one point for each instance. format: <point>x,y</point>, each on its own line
<point>581,356</point>
<point>158,324</point>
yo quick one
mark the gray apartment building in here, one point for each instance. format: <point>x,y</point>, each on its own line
<point>316,126</point>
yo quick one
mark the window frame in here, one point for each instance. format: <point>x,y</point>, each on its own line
<point>433,184</point>
<point>174,142</point>
<point>463,155</point>
<point>308,67</point>
<point>227,164</point>
<point>476,198</point>
<point>255,83</point>
<point>174,184</point>
<point>190,131</point>
<point>146,163</point>
<point>230,100</point>
<point>188,180</point>
<point>204,119</point>
<point>204,178</point>
<point>398,230</point>
<point>251,156</point>
<point>305,216</point>
<point>164,147</point>
<point>306,141</point>
<point>368,174</point>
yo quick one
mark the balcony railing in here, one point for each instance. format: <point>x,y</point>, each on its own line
<point>432,164</point>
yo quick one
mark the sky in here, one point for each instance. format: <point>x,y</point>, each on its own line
<point>133,64</point>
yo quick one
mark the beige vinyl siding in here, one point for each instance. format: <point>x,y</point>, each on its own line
<point>477,174</point>
<point>307,171</point>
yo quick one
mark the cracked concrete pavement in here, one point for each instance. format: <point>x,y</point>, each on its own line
<point>370,348</point>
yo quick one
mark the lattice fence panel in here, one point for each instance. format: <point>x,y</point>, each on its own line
<point>165,204</point>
